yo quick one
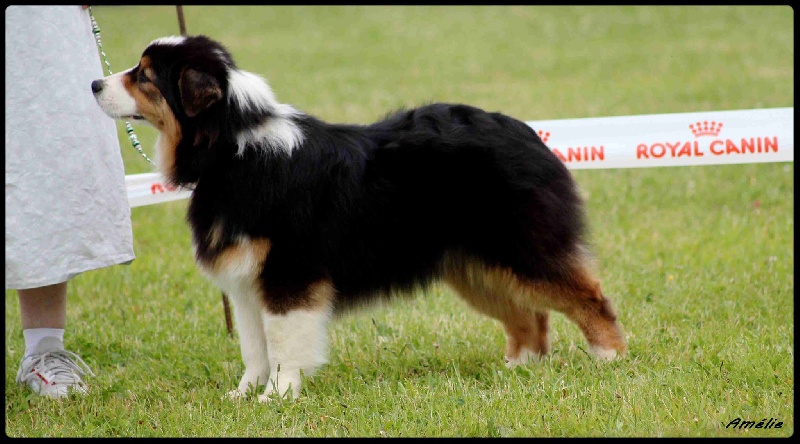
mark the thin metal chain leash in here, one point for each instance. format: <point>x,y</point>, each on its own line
<point>128,128</point>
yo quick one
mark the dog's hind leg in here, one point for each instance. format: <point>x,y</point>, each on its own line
<point>527,336</point>
<point>579,297</point>
<point>523,306</point>
<point>297,339</point>
<point>494,292</point>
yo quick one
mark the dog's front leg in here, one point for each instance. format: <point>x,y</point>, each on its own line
<point>248,309</point>
<point>297,340</point>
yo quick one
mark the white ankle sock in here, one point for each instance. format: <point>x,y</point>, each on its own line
<point>34,335</point>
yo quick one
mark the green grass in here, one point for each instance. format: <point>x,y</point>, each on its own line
<point>701,277</point>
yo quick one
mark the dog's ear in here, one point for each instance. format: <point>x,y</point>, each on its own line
<point>199,90</point>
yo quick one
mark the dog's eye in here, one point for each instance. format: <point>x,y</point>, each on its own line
<point>142,78</point>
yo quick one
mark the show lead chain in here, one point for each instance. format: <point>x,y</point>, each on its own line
<point>128,128</point>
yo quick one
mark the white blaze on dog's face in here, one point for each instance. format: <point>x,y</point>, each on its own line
<point>114,99</point>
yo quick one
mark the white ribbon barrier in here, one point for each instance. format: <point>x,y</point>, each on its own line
<point>685,139</point>
<point>151,188</point>
<point>654,140</point>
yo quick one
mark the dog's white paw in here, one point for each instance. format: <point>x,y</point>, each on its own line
<point>525,356</point>
<point>605,354</point>
<point>247,385</point>
<point>235,395</point>
<point>269,395</point>
<point>287,386</point>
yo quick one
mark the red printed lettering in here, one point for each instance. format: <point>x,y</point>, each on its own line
<point>697,151</point>
<point>559,155</point>
<point>771,144</point>
<point>658,154</point>
<point>686,150</point>
<point>573,154</point>
<point>599,153</point>
<point>673,147</point>
<point>641,151</point>
<point>748,145</point>
<point>581,154</point>
<point>731,147</point>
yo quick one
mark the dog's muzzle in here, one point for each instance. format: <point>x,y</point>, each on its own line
<point>113,99</point>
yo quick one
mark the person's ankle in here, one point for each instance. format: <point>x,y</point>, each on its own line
<point>35,335</point>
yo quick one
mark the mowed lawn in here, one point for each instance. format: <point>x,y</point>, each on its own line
<point>699,261</point>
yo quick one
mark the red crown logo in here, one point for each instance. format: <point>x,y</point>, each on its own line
<point>706,128</point>
<point>543,135</point>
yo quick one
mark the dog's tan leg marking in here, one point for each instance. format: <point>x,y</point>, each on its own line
<point>297,340</point>
<point>239,261</point>
<point>151,105</point>
<point>579,297</point>
<point>522,306</point>
<point>527,337</point>
<point>496,292</point>
<point>214,235</point>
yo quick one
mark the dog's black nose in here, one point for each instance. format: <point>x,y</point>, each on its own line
<point>97,86</point>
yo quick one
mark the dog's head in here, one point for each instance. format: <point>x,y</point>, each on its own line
<point>190,89</point>
<point>176,79</point>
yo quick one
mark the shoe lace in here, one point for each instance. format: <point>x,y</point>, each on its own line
<point>62,366</point>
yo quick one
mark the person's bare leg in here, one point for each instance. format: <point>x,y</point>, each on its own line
<point>43,307</point>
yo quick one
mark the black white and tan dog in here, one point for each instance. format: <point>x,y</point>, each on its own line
<point>297,220</point>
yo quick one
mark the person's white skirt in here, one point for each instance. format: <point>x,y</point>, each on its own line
<point>66,205</point>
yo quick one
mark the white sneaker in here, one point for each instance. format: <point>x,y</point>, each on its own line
<point>51,371</point>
